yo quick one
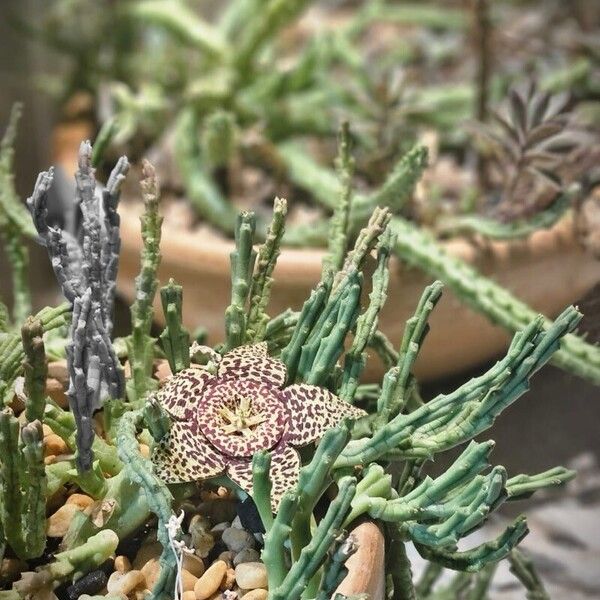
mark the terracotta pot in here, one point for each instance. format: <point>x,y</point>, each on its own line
<point>548,271</point>
<point>366,567</point>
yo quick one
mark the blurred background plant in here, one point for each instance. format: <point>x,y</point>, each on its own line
<point>232,92</point>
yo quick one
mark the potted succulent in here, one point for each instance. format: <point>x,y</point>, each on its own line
<point>253,469</point>
<point>235,128</point>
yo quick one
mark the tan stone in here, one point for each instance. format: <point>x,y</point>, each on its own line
<point>80,500</point>
<point>125,583</point>
<point>151,572</point>
<point>209,583</point>
<point>56,391</point>
<point>229,580</point>
<point>145,450</point>
<point>188,580</point>
<point>11,568</point>
<point>122,564</point>
<point>193,564</point>
<point>258,594</point>
<point>57,369</point>
<point>251,575</point>
<point>147,551</point>
<point>162,370</point>
<point>189,595</point>
<point>227,556</point>
<point>58,523</point>
<point>54,445</point>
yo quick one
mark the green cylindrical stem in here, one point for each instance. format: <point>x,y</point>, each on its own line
<point>34,368</point>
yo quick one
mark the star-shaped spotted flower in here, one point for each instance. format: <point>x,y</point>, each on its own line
<point>219,421</point>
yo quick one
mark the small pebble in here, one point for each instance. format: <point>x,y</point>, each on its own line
<point>218,529</point>
<point>237,523</point>
<point>56,391</point>
<point>258,594</point>
<point>202,540</point>
<point>58,523</point>
<point>188,580</point>
<point>57,369</point>
<point>147,551</point>
<point>246,555</point>
<point>238,539</point>
<point>193,564</point>
<point>80,500</point>
<point>122,564</point>
<point>249,517</point>
<point>145,450</point>
<point>11,568</point>
<point>209,583</point>
<point>151,571</point>
<point>219,509</point>
<point>227,556</point>
<point>54,445</point>
<point>91,584</point>
<point>252,575</point>
<point>229,580</point>
<point>189,595</point>
<point>125,583</point>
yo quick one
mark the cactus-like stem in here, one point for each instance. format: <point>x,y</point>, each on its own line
<point>262,281</point>
<point>476,558</point>
<point>202,191</point>
<point>218,138</point>
<point>522,486</point>
<point>70,564</point>
<point>339,228</point>
<point>366,325</point>
<point>12,353</point>
<point>335,570</point>
<point>312,482</point>
<point>22,485</point>
<point>175,339</point>
<point>419,249</point>
<point>157,419</point>
<point>523,569</point>
<point>398,565</point>
<point>15,224</point>
<point>139,470</point>
<point>34,368</point>
<point>393,396</point>
<point>496,230</point>
<point>242,267</point>
<point>140,343</point>
<point>261,488</point>
<point>313,555</point>
<point>478,402</point>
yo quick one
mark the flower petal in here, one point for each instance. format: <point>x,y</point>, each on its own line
<point>252,362</point>
<point>314,410</point>
<point>184,455</point>
<point>285,467</point>
<point>181,395</point>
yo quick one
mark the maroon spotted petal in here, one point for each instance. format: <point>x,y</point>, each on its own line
<point>314,410</point>
<point>265,407</point>
<point>254,364</point>
<point>181,394</point>
<point>184,455</point>
<point>285,467</point>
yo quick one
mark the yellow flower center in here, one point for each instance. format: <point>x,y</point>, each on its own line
<point>242,420</point>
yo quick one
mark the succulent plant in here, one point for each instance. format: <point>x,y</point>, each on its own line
<point>221,420</point>
<point>305,375</point>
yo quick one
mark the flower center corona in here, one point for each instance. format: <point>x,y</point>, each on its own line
<point>241,420</point>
